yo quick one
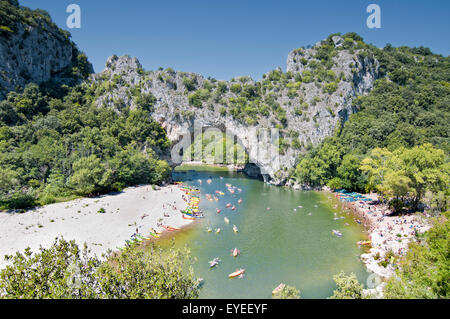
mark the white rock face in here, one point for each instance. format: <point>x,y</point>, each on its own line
<point>32,54</point>
<point>179,118</point>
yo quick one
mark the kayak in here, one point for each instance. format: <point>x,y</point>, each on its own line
<point>188,217</point>
<point>170,228</point>
<point>235,252</point>
<point>363,243</point>
<point>226,220</point>
<point>233,208</point>
<point>214,262</point>
<point>237,273</point>
<point>228,205</point>
<point>167,228</point>
<point>278,289</point>
<point>240,201</point>
<point>218,230</point>
<point>235,229</point>
<point>218,211</point>
<point>337,233</point>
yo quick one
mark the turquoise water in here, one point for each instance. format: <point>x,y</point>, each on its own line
<point>286,244</point>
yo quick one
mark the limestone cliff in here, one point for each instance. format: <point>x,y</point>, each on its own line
<point>305,103</point>
<point>33,49</point>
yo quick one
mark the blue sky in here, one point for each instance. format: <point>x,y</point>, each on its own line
<point>228,38</point>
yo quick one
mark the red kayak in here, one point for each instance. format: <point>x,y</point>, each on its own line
<point>170,228</point>
<point>237,273</point>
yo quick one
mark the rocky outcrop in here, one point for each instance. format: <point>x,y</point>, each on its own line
<point>32,49</point>
<point>313,98</point>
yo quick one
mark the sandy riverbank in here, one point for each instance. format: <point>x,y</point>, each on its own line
<point>135,208</point>
<point>386,232</point>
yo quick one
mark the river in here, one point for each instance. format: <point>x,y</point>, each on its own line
<point>286,244</point>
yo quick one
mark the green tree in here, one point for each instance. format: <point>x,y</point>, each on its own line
<point>90,175</point>
<point>407,174</point>
<point>348,287</point>
<point>288,292</point>
<point>152,274</point>
<point>61,271</point>
<point>65,271</point>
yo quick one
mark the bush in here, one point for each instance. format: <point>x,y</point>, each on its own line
<point>64,271</point>
<point>348,287</point>
<point>288,292</point>
<point>190,83</point>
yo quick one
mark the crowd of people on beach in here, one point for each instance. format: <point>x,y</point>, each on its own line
<point>388,233</point>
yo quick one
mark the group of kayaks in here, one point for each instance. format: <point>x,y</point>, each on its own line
<point>238,273</point>
<point>192,212</point>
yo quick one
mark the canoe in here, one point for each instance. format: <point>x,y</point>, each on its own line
<point>278,289</point>
<point>218,230</point>
<point>237,273</point>
<point>218,211</point>
<point>167,228</point>
<point>228,205</point>
<point>214,262</point>
<point>187,217</point>
<point>235,229</point>
<point>366,242</point>
<point>226,220</point>
<point>240,201</point>
<point>154,235</point>
<point>170,228</point>
<point>233,208</point>
<point>235,252</point>
<point>337,233</point>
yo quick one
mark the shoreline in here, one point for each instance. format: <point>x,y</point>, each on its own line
<point>387,234</point>
<point>138,208</point>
